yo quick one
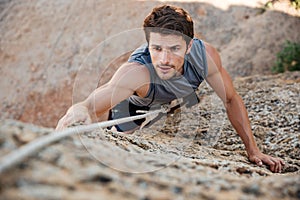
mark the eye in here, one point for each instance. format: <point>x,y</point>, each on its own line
<point>175,49</point>
<point>156,48</point>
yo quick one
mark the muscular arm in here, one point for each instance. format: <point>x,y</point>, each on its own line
<point>222,84</point>
<point>130,78</point>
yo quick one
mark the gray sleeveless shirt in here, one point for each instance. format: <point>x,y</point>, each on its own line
<point>164,91</point>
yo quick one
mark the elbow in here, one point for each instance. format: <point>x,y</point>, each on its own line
<point>231,100</point>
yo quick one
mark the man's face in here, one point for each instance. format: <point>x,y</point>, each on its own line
<point>167,53</point>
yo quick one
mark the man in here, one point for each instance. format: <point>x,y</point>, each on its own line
<point>170,66</point>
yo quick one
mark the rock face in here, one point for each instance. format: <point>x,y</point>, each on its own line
<point>184,156</point>
<point>53,53</point>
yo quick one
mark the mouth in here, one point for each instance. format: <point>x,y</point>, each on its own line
<point>164,68</point>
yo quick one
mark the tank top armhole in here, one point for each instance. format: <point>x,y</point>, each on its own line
<point>197,58</point>
<point>204,59</point>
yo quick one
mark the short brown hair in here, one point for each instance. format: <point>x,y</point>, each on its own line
<point>169,19</point>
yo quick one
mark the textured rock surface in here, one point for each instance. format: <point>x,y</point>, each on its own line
<point>47,62</point>
<point>175,159</point>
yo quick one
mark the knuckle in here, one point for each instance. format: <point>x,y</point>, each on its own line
<point>277,162</point>
<point>272,164</point>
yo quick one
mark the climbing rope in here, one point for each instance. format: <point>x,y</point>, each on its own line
<point>18,155</point>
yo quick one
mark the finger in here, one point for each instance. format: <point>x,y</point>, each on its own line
<point>67,122</point>
<point>258,161</point>
<point>59,126</point>
<point>277,165</point>
<point>272,165</point>
<point>88,120</point>
<point>64,123</point>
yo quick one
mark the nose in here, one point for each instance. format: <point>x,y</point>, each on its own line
<point>165,57</point>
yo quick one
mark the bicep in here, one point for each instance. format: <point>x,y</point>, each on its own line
<point>123,84</point>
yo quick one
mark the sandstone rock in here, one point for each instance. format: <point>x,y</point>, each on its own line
<point>195,171</point>
<point>192,154</point>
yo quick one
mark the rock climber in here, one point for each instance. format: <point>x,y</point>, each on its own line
<point>170,65</point>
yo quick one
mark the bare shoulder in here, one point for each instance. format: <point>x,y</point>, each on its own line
<point>211,50</point>
<point>213,59</point>
<point>209,47</point>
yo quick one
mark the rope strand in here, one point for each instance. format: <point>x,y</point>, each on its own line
<point>18,155</point>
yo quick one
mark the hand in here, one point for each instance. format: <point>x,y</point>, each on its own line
<point>77,113</point>
<point>275,164</point>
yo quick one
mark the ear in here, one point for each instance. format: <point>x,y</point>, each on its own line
<point>189,47</point>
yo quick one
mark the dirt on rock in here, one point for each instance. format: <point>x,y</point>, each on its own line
<point>54,53</point>
<point>184,156</point>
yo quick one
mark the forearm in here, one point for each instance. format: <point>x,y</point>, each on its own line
<point>96,104</point>
<point>104,98</point>
<point>239,119</point>
<point>78,107</point>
